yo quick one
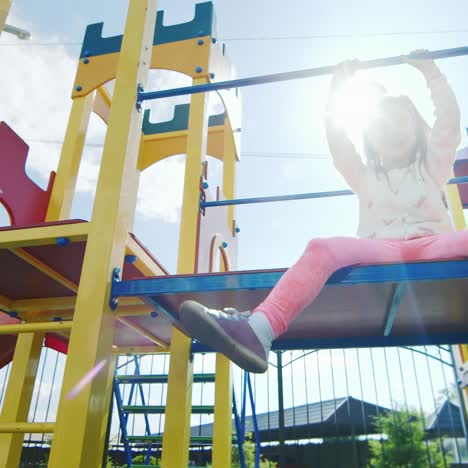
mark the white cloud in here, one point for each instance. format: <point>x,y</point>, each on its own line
<point>35,95</point>
<point>34,92</point>
<point>160,194</point>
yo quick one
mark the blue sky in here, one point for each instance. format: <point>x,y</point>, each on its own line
<point>277,120</point>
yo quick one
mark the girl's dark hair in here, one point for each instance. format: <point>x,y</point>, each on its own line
<point>422,131</point>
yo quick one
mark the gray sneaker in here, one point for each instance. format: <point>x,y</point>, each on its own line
<point>226,333</point>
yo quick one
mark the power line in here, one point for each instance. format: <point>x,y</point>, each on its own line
<point>59,142</point>
<point>344,36</point>
<point>273,38</point>
<point>44,44</point>
<point>286,155</point>
<point>246,154</point>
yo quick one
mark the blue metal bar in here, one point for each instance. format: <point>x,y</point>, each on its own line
<point>142,397</point>
<point>393,309</point>
<point>238,431</point>
<point>130,398</point>
<point>298,196</point>
<point>295,75</point>
<point>123,423</point>
<point>267,279</point>
<point>276,198</point>
<point>423,339</point>
<point>244,404</point>
<point>254,419</point>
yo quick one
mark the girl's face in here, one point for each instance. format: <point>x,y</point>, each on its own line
<point>392,133</point>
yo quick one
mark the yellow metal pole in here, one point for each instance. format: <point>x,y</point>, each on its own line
<point>67,172</point>
<point>85,391</point>
<point>222,427</point>
<point>26,427</point>
<point>176,437</point>
<point>35,327</point>
<point>196,152</point>
<point>456,207</point>
<point>5,6</point>
<point>18,395</point>
<point>229,169</point>
<point>458,216</point>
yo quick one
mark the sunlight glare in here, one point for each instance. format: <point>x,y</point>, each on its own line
<point>355,104</point>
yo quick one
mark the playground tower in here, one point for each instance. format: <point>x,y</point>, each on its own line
<point>61,270</point>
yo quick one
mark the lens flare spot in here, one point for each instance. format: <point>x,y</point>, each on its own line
<point>88,377</point>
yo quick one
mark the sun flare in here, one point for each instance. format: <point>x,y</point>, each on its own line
<point>355,104</point>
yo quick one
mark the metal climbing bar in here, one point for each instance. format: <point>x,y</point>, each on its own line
<point>275,198</point>
<point>299,196</point>
<point>239,433</point>
<point>295,75</point>
<point>254,420</point>
<point>123,423</point>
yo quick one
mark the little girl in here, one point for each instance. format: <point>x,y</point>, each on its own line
<point>402,216</point>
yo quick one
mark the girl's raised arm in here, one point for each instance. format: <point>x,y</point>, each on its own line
<point>345,157</point>
<point>444,137</point>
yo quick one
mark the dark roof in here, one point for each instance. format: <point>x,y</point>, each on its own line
<point>340,417</point>
<point>447,420</point>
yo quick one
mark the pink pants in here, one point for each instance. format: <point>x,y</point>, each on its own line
<point>302,283</point>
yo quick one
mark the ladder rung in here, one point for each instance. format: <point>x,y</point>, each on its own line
<point>26,427</point>
<point>162,409</point>
<point>145,438</point>
<point>204,378</point>
<point>144,409</point>
<point>143,466</point>
<point>155,439</point>
<point>202,409</point>
<point>160,379</point>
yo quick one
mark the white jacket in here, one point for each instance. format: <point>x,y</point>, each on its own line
<point>409,202</point>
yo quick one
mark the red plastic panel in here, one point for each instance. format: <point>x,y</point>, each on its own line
<point>20,280</point>
<point>7,348</point>
<point>56,342</point>
<point>67,260</point>
<point>25,201</point>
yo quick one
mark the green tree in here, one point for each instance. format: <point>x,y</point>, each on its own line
<point>109,462</point>
<point>404,446</point>
<point>140,460</point>
<point>249,455</point>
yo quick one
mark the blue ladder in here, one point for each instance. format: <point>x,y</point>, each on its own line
<point>125,410</point>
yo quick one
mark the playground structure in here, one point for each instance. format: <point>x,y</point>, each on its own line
<point>90,288</point>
